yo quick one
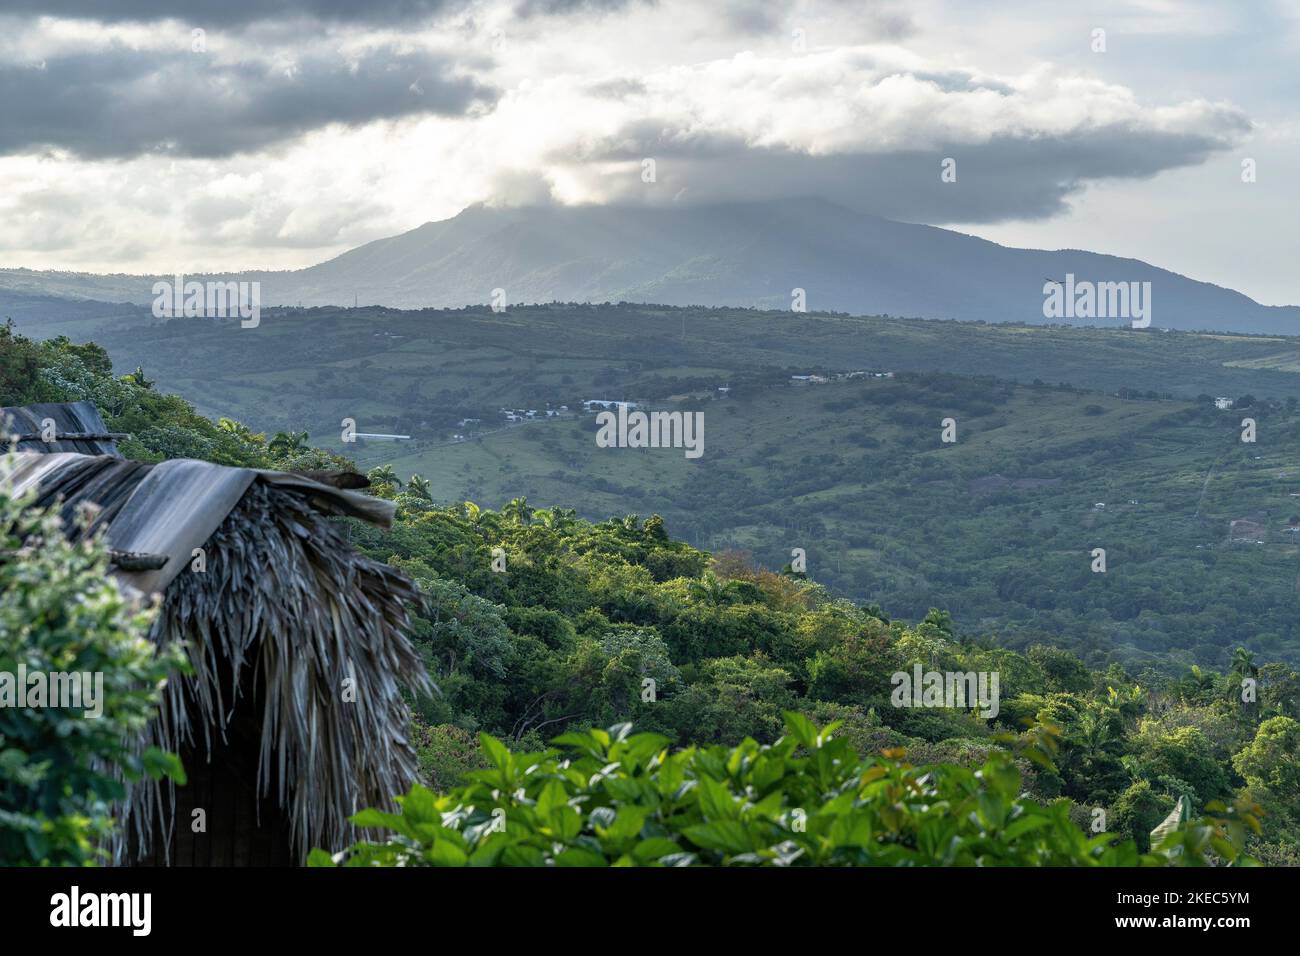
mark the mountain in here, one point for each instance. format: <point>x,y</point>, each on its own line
<point>737,254</point>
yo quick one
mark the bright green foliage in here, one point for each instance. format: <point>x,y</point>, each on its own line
<point>59,769</point>
<point>1271,765</point>
<point>588,623</point>
<point>1272,759</point>
<point>622,799</point>
<point>160,425</point>
<point>447,753</point>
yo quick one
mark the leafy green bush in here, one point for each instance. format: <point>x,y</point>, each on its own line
<point>446,753</point>
<point>616,798</point>
<point>60,769</point>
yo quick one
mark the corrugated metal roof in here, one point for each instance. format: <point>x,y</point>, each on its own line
<point>167,509</point>
<point>28,422</point>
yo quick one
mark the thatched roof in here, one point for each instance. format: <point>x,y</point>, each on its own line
<point>283,598</point>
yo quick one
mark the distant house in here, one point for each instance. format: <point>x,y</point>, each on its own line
<point>605,403</point>
<point>1222,402</point>
<point>1099,506</point>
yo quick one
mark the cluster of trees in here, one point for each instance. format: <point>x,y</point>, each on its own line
<point>161,426</point>
<point>540,624</point>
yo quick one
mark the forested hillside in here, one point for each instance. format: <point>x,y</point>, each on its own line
<point>1069,440</point>
<point>539,623</point>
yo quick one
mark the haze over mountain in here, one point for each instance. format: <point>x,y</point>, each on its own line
<point>735,254</point>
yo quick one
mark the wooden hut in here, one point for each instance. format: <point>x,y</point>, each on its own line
<point>293,717</point>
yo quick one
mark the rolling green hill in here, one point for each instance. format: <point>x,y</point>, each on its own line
<point>422,372</point>
<point>999,526</point>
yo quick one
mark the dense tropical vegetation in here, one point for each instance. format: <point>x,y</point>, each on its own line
<point>539,625</point>
<point>997,527</point>
<point>60,614</point>
<point>615,798</point>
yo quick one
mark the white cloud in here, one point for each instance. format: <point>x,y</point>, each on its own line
<point>715,93</point>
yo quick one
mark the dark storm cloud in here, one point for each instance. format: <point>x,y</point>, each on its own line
<point>121,103</point>
<point>1005,178</point>
<point>234,12</point>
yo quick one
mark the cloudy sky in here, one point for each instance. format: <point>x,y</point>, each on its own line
<point>275,134</point>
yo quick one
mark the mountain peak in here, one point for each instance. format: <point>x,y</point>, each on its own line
<point>742,253</point>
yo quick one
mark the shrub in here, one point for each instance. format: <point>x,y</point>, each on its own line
<point>60,769</point>
<point>615,798</point>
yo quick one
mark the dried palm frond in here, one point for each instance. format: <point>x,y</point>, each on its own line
<point>284,595</point>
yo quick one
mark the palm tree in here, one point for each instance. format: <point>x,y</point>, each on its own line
<point>137,378</point>
<point>287,444</point>
<point>418,487</point>
<point>482,518</point>
<point>384,475</point>
<point>1194,687</point>
<point>1129,702</point>
<point>517,510</point>
<point>1097,737</point>
<point>1243,663</point>
<point>712,591</point>
<point>1242,668</point>
<point>240,431</point>
<point>557,519</point>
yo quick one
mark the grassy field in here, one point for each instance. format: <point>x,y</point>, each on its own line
<point>999,526</point>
